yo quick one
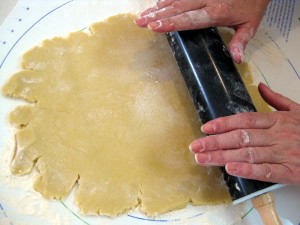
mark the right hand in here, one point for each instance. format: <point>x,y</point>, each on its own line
<point>253,145</point>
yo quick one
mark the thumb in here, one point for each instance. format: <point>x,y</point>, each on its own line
<point>277,100</point>
<point>239,41</point>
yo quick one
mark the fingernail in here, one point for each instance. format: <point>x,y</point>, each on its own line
<point>197,146</point>
<point>146,19</point>
<point>155,25</point>
<point>231,168</point>
<point>209,128</point>
<point>191,148</point>
<point>196,158</point>
<point>140,21</point>
<point>204,159</point>
<point>237,54</point>
<point>245,137</point>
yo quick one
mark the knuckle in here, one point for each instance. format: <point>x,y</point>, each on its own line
<point>224,9</point>
<point>178,6</point>
<point>164,3</point>
<point>242,138</point>
<point>250,155</point>
<point>279,118</point>
<point>214,143</point>
<point>220,12</point>
<point>279,115</point>
<point>151,16</point>
<point>169,24</point>
<point>266,171</point>
<point>249,173</point>
<point>249,119</point>
<point>212,14</point>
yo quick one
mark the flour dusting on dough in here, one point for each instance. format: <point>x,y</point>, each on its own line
<point>113,115</point>
<point>26,202</point>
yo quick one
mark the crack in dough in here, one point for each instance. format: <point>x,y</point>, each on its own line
<point>111,113</point>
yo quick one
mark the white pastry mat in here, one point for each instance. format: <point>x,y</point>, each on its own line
<point>274,56</point>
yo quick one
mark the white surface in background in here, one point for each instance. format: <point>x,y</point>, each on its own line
<point>5,7</point>
<point>29,23</point>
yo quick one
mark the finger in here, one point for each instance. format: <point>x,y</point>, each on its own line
<point>164,3</point>
<point>247,155</point>
<point>152,9</point>
<point>157,15</point>
<point>239,41</point>
<point>186,21</point>
<point>249,120</point>
<point>277,100</point>
<point>174,9</point>
<point>142,20</point>
<point>157,6</point>
<point>232,140</point>
<point>276,173</point>
<point>181,5</point>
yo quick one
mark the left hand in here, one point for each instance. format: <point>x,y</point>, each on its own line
<point>175,15</point>
<point>259,146</point>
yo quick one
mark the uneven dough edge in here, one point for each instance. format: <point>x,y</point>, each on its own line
<point>148,62</point>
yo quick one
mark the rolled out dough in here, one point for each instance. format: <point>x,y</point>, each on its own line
<point>110,111</point>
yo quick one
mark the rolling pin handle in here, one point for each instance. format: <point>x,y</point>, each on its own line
<point>265,206</point>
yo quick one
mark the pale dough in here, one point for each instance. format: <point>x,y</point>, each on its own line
<point>110,111</point>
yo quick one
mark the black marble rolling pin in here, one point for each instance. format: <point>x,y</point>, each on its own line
<point>217,90</point>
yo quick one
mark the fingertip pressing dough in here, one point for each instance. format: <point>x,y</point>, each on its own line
<point>109,111</point>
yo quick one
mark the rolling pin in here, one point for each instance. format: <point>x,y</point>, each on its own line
<point>217,90</point>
